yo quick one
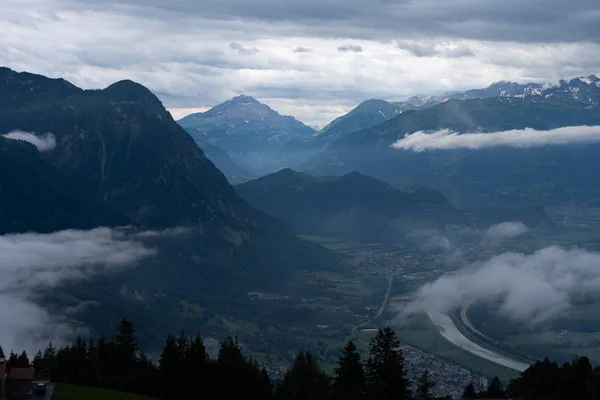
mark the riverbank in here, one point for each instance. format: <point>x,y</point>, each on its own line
<point>448,330</point>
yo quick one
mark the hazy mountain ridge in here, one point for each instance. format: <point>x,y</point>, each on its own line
<point>245,128</point>
<point>473,176</point>
<point>233,171</point>
<point>356,207</point>
<point>353,206</point>
<point>367,114</point>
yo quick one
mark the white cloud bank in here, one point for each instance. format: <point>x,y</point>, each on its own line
<point>506,230</point>
<point>446,139</point>
<point>43,142</point>
<point>532,288</point>
<point>30,263</point>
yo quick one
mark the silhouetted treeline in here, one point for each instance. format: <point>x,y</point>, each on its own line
<point>185,370</point>
<point>546,380</point>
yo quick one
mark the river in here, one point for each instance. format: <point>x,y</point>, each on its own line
<point>446,327</point>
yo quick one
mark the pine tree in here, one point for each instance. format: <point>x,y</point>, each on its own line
<point>469,392</point>
<point>13,359</point>
<point>23,360</point>
<point>424,387</point>
<point>171,368</point>
<point>265,386</point>
<point>387,376</point>
<point>2,352</point>
<point>495,389</point>
<point>38,362</point>
<point>49,358</point>
<point>349,380</point>
<point>126,343</point>
<point>305,381</point>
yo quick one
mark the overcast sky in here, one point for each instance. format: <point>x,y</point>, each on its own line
<point>314,59</point>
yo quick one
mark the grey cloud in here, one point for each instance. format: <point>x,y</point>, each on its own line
<point>531,289</point>
<point>33,263</point>
<point>302,50</point>
<point>192,53</point>
<point>350,48</point>
<point>43,142</point>
<point>244,50</point>
<point>446,139</point>
<point>433,49</point>
<point>522,21</point>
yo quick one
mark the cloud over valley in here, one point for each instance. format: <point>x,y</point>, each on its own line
<point>446,139</point>
<point>531,288</point>
<point>33,264</point>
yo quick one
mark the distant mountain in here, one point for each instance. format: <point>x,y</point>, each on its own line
<point>501,175</point>
<point>581,89</point>
<point>247,129</point>
<point>234,172</point>
<point>36,197</point>
<point>360,208</point>
<point>126,150</point>
<point>367,114</point>
<point>354,206</point>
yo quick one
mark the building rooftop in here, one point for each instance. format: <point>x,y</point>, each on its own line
<point>21,373</point>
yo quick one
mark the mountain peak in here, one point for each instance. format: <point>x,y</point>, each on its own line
<point>130,91</point>
<point>418,100</point>
<point>244,100</point>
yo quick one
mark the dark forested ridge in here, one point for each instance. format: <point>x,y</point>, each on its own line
<point>35,196</point>
<point>357,207</point>
<point>353,206</point>
<point>125,149</point>
<point>184,369</point>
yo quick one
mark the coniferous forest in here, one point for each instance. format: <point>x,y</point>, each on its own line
<point>185,370</point>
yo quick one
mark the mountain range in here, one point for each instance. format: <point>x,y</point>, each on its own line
<point>359,208</point>
<point>246,129</point>
<point>125,149</point>
<point>555,173</point>
<point>583,89</point>
<point>257,136</point>
<point>121,159</point>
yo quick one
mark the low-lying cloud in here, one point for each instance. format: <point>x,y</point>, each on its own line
<point>33,263</point>
<point>446,139</point>
<point>506,230</point>
<point>531,289</point>
<point>43,142</point>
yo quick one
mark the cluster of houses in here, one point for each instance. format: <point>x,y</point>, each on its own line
<point>15,381</point>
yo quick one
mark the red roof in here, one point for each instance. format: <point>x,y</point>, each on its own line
<point>2,370</point>
<point>25,374</point>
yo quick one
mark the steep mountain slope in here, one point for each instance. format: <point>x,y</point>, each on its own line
<point>126,150</point>
<point>250,131</point>
<point>501,174</point>
<point>367,114</point>
<point>353,206</point>
<point>35,196</point>
<point>234,172</point>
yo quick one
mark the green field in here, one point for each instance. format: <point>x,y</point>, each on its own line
<point>64,391</point>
